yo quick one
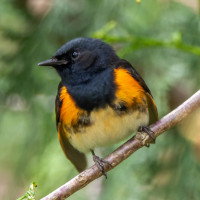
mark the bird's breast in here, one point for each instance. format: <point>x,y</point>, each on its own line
<point>109,124</point>
<point>104,127</point>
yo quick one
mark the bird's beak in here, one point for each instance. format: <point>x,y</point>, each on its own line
<point>53,62</point>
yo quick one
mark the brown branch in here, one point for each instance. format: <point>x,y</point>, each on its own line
<point>124,151</point>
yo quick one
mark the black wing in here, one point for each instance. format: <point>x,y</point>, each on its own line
<point>153,113</point>
<point>76,157</point>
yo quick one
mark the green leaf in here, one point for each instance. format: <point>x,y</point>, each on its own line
<point>30,194</point>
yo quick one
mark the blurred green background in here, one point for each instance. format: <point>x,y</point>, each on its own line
<point>161,38</point>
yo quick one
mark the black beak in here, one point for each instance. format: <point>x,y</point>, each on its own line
<point>53,62</point>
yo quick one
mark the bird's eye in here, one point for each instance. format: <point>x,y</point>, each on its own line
<point>75,54</point>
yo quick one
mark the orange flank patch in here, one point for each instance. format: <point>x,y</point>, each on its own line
<point>128,88</point>
<point>69,111</point>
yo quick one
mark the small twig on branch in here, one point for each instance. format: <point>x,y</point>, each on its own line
<point>124,151</point>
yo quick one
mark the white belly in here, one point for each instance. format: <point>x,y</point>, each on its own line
<point>107,128</point>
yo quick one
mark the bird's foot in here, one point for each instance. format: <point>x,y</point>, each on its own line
<point>100,163</point>
<point>149,132</point>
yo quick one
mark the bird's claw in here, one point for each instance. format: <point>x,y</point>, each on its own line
<point>149,132</point>
<point>100,163</point>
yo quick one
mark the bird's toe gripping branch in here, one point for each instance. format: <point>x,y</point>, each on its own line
<point>100,163</point>
<point>146,135</point>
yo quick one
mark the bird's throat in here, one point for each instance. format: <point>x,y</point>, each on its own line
<point>96,93</point>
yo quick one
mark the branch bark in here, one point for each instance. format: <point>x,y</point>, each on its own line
<point>128,148</point>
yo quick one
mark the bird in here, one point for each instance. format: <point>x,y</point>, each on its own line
<point>101,99</point>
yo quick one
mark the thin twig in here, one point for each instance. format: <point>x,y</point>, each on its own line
<point>124,151</point>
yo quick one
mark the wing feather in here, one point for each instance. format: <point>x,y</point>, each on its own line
<point>153,113</point>
<point>77,158</point>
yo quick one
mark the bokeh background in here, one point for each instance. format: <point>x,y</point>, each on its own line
<point>161,38</point>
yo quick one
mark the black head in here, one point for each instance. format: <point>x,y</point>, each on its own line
<point>80,59</point>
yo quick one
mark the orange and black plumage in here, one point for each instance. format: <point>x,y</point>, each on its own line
<point>101,99</point>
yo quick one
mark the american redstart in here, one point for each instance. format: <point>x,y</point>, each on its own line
<point>101,99</point>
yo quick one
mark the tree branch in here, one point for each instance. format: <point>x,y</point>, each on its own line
<point>124,151</point>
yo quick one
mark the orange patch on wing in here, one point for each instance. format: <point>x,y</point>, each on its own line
<point>128,88</point>
<point>69,111</point>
